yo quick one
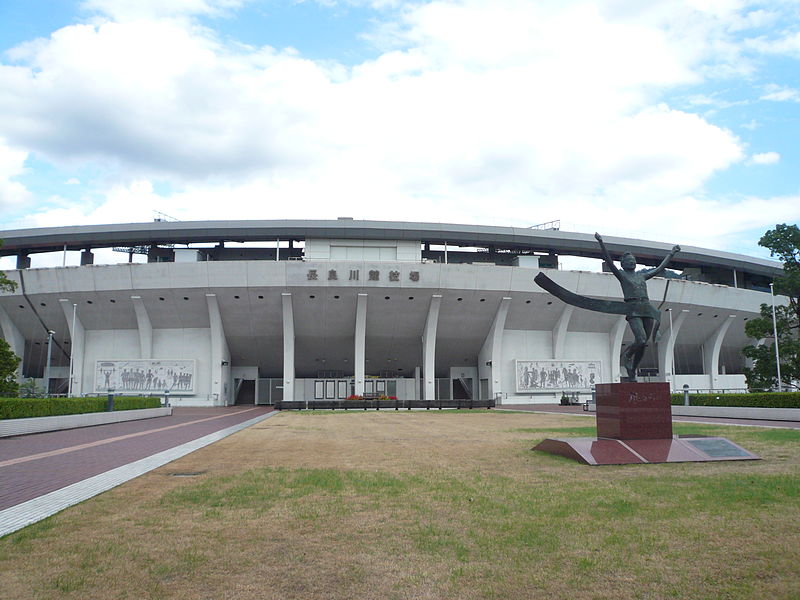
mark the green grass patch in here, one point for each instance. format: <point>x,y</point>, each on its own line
<point>484,517</point>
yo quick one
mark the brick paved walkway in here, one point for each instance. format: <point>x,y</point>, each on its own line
<point>36,464</point>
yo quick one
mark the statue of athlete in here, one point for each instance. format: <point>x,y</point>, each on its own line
<point>643,318</point>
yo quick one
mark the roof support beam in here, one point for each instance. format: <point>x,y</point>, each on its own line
<point>220,355</point>
<point>429,349</point>
<point>145,328</point>
<point>288,346</point>
<point>711,350</point>
<point>666,349</point>
<point>560,331</point>
<point>615,346</point>
<point>77,336</point>
<point>360,343</point>
<point>490,364</point>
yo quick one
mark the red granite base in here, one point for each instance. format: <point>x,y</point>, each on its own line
<point>594,451</point>
<point>634,426</point>
<point>634,411</point>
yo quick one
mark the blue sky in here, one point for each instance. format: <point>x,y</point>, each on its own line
<point>673,120</point>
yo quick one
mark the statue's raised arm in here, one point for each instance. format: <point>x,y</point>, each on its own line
<point>606,255</point>
<point>660,268</point>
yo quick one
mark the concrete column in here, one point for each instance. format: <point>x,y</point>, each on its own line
<point>145,328</point>
<point>493,349</point>
<point>560,331</point>
<point>288,347</point>
<point>12,335</point>
<point>220,373</point>
<point>77,336</point>
<point>666,348</point>
<point>87,258</point>
<point>711,349</point>
<point>429,349</point>
<point>360,353</point>
<point>23,261</point>
<point>615,342</point>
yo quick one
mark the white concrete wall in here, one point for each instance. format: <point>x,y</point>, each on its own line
<point>402,250</point>
<point>248,373</point>
<point>537,345</point>
<point>702,382</point>
<point>167,343</point>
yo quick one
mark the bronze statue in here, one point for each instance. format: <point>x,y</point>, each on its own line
<point>643,318</point>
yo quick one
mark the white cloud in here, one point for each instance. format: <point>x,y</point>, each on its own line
<point>781,94</point>
<point>138,9</point>
<point>12,165</point>
<point>510,112</point>
<point>73,181</point>
<point>765,158</point>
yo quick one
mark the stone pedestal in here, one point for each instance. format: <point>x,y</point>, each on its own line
<point>634,411</point>
<point>634,425</point>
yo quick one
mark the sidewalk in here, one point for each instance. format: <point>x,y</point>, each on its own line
<point>37,468</point>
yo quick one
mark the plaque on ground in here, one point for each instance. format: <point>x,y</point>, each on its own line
<point>634,425</point>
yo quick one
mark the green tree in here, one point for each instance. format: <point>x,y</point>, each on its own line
<point>6,285</point>
<point>8,371</point>
<point>784,243</point>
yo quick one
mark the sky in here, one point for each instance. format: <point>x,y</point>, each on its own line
<point>668,120</point>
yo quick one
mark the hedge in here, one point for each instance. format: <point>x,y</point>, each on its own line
<point>755,399</point>
<point>20,408</point>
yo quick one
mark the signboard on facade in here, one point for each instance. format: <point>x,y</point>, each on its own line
<point>142,376</point>
<point>540,375</point>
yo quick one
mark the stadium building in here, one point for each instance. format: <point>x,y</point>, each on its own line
<point>228,312</point>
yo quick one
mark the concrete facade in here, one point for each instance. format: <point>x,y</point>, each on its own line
<point>370,316</point>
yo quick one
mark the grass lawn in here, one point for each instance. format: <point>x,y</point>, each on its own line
<point>424,504</point>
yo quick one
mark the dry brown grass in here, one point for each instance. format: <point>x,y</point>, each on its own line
<point>423,505</point>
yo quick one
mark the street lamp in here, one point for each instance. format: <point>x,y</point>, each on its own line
<point>775,330</point>
<point>50,334</point>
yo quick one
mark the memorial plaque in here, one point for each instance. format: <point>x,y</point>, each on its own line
<point>718,447</point>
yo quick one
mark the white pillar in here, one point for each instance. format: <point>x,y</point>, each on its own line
<point>615,342</point>
<point>12,335</point>
<point>360,343</point>
<point>429,349</point>
<point>711,349</point>
<point>219,353</point>
<point>666,349</point>
<point>560,331</point>
<point>288,347</point>
<point>77,336</point>
<point>492,349</point>
<point>145,328</point>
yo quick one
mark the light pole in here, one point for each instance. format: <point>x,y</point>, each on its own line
<point>775,330</point>
<point>50,334</point>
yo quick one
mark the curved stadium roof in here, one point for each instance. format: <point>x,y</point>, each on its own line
<point>516,239</point>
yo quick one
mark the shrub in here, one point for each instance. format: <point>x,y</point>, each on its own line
<point>758,399</point>
<point>20,408</point>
